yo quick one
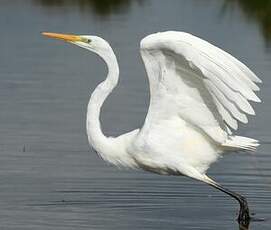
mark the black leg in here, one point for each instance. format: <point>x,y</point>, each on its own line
<point>244,216</point>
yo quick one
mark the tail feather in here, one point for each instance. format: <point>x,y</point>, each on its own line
<point>241,143</point>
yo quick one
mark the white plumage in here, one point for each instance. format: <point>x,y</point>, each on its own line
<point>199,93</point>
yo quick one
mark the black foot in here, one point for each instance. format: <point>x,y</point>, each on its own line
<point>243,227</point>
<point>244,217</point>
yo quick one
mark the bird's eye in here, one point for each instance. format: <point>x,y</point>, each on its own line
<point>86,40</point>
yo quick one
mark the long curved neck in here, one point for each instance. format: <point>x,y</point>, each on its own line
<point>95,135</point>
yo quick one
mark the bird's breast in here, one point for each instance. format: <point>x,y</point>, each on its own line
<point>168,149</point>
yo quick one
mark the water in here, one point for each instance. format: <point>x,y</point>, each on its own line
<point>51,179</point>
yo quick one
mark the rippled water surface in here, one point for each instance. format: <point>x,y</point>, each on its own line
<point>51,179</point>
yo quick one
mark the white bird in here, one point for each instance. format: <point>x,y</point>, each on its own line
<point>199,93</point>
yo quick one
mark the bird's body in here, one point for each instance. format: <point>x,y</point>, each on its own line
<point>198,93</point>
<point>184,131</point>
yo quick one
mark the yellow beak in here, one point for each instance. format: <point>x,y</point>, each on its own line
<point>65,37</point>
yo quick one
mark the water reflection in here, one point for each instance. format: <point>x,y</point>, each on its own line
<point>259,10</point>
<point>99,7</point>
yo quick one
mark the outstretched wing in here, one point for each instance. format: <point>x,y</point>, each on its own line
<point>198,82</point>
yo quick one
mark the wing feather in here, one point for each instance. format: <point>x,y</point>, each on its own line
<point>227,117</point>
<point>202,78</point>
<point>232,95</point>
<point>230,65</point>
<point>235,112</point>
<point>214,66</point>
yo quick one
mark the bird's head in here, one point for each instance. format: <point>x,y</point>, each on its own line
<point>92,43</point>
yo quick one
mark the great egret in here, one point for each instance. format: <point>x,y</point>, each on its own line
<point>198,94</point>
